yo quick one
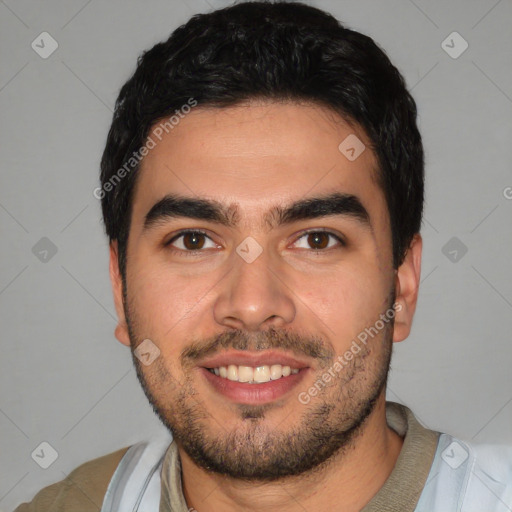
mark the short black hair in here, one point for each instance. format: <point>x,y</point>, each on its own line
<point>281,51</point>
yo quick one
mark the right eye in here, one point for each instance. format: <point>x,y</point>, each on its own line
<point>189,241</point>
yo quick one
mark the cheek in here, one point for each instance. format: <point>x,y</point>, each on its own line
<point>347,302</point>
<point>164,302</point>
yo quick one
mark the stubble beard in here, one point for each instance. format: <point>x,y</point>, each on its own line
<point>253,451</point>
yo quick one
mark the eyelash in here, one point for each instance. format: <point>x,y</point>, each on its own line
<point>199,231</point>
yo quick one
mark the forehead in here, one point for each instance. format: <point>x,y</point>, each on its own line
<point>257,154</point>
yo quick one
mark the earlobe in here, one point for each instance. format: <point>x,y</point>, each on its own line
<point>121,331</point>
<point>407,282</point>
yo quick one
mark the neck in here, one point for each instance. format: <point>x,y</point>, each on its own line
<point>347,482</point>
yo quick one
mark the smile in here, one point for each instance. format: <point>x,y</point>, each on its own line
<point>253,375</point>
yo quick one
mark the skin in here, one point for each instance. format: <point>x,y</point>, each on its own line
<point>258,155</point>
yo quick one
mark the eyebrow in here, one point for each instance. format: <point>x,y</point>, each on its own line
<point>336,204</point>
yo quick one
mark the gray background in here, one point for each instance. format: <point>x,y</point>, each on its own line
<point>66,380</point>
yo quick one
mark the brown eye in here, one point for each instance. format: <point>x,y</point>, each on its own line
<point>193,241</point>
<point>318,240</point>
<point>189,241</point>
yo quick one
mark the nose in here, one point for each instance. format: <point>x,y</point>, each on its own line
<point>254,296</point>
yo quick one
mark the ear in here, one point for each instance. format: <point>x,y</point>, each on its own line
<point>121,331</point>
<point>407,282</point>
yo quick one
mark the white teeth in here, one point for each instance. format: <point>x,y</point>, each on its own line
<point>251,374</point>
<point>261,374</point>
<point>245,374</point>
<point>232,372</point>
<point>276,371</point>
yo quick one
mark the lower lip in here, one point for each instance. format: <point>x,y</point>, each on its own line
<point>245,393</point>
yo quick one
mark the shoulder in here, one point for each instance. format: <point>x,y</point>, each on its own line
<point>492,470</point>
<point>489,478</point>
<point>469,477</point>
<point>81,491</point>
<point>489,464</point>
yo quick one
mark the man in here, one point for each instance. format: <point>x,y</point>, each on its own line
<point>262,189</point>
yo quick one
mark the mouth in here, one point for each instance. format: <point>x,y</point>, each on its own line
<point>253,378</point>
<point>253,375</point>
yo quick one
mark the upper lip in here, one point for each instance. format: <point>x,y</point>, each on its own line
<point>254,359</point>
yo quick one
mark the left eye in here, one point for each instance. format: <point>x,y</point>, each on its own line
<point>319,240</point>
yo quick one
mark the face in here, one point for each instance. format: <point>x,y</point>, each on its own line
<point>258,258</point>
